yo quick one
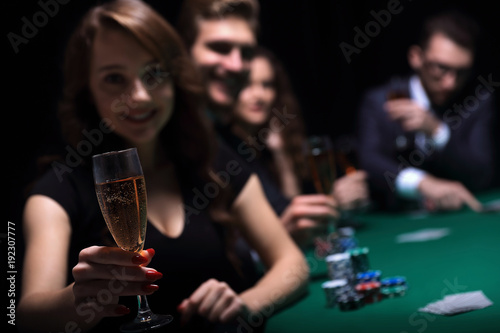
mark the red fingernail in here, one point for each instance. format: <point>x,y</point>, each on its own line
<point>122,310</point>
<point>138,259</point>
<point>149,288</point>
<point>153,275</point>
<point>151,252</point>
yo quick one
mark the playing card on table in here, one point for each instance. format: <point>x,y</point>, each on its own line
<point>491,207</point>
<point>422,235</point>
<point>458,303</point>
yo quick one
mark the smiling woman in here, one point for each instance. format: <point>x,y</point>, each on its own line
<point>106,83</point>
<point>117,72</point>
<point>126,66</point>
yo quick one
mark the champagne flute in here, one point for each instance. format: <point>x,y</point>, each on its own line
<point>321,163</point>
<point>121,192</point>
<point>319,152</point>
<point>345,156</point>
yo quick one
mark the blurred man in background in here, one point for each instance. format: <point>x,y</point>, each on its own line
<point>425,138</point>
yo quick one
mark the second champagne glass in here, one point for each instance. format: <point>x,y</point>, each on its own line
<point>319,152</point>
<point>121,192</point>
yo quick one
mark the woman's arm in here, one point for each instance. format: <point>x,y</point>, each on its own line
<point>288,271</point>
<point>47,303</point>
<point>284,281</point>
<point>45,295</point>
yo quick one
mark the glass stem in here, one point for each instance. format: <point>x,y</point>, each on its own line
<point>143,312</point>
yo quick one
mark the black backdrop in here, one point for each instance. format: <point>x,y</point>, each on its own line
<point>305,34</point>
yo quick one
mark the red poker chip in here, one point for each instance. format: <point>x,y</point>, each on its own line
<point>367,286</point>
<point>374,298</point>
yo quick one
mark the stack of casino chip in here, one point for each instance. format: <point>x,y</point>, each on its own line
<point>350,300</point>
<point>341,293</point>
<point>370,291</point>
<point>352,284</point>
<point>346,240</point>
<point>393,286</point>
<point>373,289</point>
<point>333,289</point>
<point>339,241</point>
<point>368,276</point>
<point>340,267</point>
<point>359,258</point>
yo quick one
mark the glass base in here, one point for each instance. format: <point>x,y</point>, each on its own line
<point>153,322</point>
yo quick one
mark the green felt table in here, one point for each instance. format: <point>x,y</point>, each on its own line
<point>467,259</point>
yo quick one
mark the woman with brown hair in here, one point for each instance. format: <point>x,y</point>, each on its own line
<point>268,131</point>
<point>130,83</point>
<point>267,115</point>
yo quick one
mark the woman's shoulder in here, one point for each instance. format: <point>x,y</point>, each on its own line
<point>60,175</point>
<point>68,186</point>
<point>230,168</point>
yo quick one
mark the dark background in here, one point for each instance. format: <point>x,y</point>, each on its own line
<point>305,35</point>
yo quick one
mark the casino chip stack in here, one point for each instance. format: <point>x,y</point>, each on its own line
<point>333,289</point>
<point>393,286</point>
<point>352,284</point>
<point>359,258</point>
<point>370,291</point>
<point>340,266</point>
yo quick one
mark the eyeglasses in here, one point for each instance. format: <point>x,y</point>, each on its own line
<point>439,70</point>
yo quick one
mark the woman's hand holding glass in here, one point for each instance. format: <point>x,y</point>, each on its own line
<point>103,274</point>
<point>351,191</point>
<point>121,192</point>
<point>306,214</point>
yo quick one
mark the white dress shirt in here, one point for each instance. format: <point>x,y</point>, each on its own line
<point>409,178</point>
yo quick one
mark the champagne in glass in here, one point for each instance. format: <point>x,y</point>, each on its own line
<point>123,205</point>
<point>346,159</point>
<point>121,192</point>
<point>321,163</point>
<point>319,151</point>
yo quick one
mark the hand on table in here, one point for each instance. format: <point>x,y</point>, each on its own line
<point>351,190</point>
<point>441,194</point>
<point>112,269</point>
<point>412,116</point>
<point>306,213</point>
<point>213,300</point>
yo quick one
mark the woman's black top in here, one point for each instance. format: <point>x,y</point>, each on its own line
<point>187,261</point>
<point>253,158</point>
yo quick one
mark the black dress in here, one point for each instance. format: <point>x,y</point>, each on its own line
<point>187,261</point>
<point>255,162</point>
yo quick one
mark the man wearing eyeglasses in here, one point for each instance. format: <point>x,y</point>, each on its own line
<point>421,139</point>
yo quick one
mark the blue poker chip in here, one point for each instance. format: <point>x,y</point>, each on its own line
<point>393,281</point>
<point>368,276</point>
<point>348,243</point>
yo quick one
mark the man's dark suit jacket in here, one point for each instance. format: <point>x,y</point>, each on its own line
<point>385,149</point>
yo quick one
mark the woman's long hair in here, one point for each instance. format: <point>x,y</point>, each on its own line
<point>187,128</point>
<point>187,139</point>
<point>293,132</point>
